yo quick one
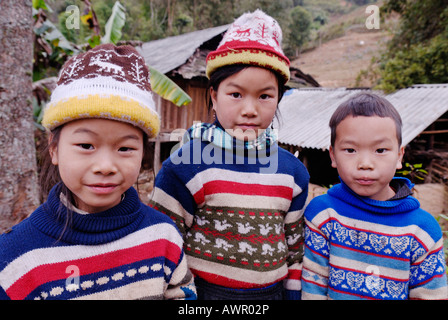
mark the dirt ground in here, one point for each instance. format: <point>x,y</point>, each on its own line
<point>338,62</point>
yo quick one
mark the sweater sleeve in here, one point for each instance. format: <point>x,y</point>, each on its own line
<point>3,295</point>
<point>428,275</point>
<point>294,232</point>
<point>172,197</point>
<point>315,272</point>
<point>181,285</point>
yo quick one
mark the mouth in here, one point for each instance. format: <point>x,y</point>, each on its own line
<point>248,126</point>
<point>365,181</point>
<point>102,188</point>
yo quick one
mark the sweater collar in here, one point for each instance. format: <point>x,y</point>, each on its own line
<point>216,134</point>
<point>54,219</point>
<point>344,193</point>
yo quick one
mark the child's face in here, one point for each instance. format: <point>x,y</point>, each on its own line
<point>366,154</point>
<point>245,103</point>
<point>98,161</point>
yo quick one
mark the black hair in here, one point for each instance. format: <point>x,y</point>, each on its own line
<point>367,105</point>
<point>226,71</point>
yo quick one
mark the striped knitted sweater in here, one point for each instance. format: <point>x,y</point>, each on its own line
<point>242,228</point>
<point>359,248</point>
<point>128,252</point>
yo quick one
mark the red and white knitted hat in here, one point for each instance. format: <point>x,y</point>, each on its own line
<point>255,39</point>
<point>106,82</point>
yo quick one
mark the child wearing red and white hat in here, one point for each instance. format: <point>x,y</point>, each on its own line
<point>236,196</point>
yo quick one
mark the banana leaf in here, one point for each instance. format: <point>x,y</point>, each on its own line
<point>50,33</point>
<point>114,25</point>
<point>167,89</point>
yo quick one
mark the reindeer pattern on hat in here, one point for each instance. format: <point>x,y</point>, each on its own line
<point>256,27</point>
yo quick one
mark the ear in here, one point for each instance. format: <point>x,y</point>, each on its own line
<point>333,159</point>
<point>400,158</point>
<point>214,97</point>
<point>53,150</point>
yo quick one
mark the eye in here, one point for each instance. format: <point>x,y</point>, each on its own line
<point>126,149</point>
<point>381,150</point>
<point>235,95</point>
<point>85,146</point>
<point>265,96</point>
<point>349,150</point>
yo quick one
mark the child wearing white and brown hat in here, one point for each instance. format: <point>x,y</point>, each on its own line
<point>93,238</point>
<point>236,196</point>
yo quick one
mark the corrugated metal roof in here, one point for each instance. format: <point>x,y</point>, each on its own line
<point>169,53</point>
<point>305,113</point>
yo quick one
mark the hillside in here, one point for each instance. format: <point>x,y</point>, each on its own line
<point>337,62</point>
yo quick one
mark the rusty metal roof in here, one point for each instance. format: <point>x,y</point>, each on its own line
<point>169,53</point>
<point>305,113</point>
<point>185,54</point>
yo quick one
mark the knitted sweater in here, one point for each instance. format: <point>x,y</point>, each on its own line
<point>242,228</point>
<point>359,248</point>
<point>128,252</point>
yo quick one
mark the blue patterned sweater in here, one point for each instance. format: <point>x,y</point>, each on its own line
<point>359,248</point>
<point>128,252</point>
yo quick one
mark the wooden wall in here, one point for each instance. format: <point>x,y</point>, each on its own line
<point>174,117</point>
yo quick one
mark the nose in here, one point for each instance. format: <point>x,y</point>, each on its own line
<point>104,163</point>
<point>365,162</point>
<point>250,108</point>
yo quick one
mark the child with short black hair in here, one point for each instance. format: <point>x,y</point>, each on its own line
<point>93,238</point>
<point>368,238</point>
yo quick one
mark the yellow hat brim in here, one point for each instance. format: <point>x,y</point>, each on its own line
<point>254,57</point>
<point>110,107</point>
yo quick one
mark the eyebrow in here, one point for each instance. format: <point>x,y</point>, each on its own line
<point>85,130</point>
<point>242,88</point>
<point>88,131</point>
<point>375,142</point>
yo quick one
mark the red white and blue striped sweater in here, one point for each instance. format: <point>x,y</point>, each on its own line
<point>359,248</point>
<point>128,252</point>
<point>240,212</point>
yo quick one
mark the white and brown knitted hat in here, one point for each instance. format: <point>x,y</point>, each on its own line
<point>107,82</point>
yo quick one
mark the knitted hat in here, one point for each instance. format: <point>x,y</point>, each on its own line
<point>107,82</point>
<point>255,39</point>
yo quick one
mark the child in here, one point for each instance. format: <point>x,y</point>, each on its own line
<point>235,195</point>
<point>93,238</point>
<point>367,238</point>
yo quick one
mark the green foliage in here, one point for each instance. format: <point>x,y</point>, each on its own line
<point>417,64</point>
<point>51,48</point>
<point>301,24</point>
<point>420,21</point>
<point>114,25</point>
<point>418,52</point>
<point>414,172</point>
<point>155,19</point>
<point>53,41</point>
<point>167,89</point>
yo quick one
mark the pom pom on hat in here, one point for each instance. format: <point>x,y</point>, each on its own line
<point>254,39</point>
<point>106,82</point>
